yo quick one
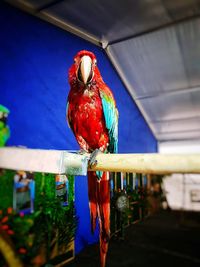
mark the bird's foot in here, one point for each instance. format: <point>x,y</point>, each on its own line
<point>92,160</point>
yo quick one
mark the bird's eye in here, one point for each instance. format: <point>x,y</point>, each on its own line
<point>95,62</point>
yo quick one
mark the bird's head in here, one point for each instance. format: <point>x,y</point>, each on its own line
<point>85,66</point>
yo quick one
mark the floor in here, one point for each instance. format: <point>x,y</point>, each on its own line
<point>166,238</point>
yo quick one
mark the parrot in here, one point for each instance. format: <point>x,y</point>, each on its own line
<point>92,116</point>
<point>4,128</point>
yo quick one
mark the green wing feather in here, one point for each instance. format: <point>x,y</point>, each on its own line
<point>111,119</point>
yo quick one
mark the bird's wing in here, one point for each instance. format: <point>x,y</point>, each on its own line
<point>111,118</point>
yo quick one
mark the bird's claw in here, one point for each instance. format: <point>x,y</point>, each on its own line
<point>92,160</point>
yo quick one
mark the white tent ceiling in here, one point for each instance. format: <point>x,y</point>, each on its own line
<point>153,44</point>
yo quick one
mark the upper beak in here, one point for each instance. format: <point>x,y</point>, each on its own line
<point>85,69</point>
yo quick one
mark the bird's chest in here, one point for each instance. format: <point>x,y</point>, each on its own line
<point>87,106</point>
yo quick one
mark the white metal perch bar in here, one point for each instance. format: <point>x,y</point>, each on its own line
<point>149,163</point>
<point>56,161</point>
<point>40,160</point>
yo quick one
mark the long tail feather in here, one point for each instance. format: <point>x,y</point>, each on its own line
<point>92,194</point>
<point>99,197</point>
<point>104,209</point>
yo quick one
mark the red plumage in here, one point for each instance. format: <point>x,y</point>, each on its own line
<point>88,99</point>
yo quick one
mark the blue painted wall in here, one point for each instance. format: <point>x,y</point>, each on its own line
<point>34,61</point>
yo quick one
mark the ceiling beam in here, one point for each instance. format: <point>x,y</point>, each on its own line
<point>55,21</point>
<point>154,29</point>
<point>69,27</point>
<point>48,5</point>
<point>129,89</point>
<point>170,92</point>
<point>176,120</point>
<point>180,131</point>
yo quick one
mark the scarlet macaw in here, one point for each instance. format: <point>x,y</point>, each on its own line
<point>93,117</point>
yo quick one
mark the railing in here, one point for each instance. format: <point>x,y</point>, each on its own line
<point>134,188</point>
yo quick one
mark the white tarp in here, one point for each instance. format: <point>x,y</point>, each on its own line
<point>182,191</point>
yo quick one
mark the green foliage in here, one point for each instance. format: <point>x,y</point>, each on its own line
<point>4,109</point>
<point>17,229</point>
<point>4,134</point>
<point>53,221</point>
<point>49,225</point>
<point>6,188</point>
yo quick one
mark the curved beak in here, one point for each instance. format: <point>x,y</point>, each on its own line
<point>85,69</point>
